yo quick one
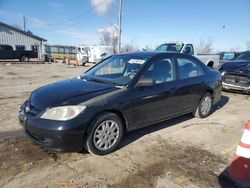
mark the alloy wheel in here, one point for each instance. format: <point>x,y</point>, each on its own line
<point>206,105</point>
<point>106,135</point>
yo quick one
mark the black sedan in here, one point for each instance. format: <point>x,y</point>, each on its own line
<point>236,74</point>
<point>122,93</point>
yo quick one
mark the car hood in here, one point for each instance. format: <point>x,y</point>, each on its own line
<point>64,92</point>
<point>239,67</point>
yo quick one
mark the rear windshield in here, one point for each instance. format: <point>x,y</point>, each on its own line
<point>244,57</point>
<point>169,48</point>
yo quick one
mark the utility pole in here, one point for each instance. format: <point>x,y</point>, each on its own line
<point>24,23</point>
<point>120,26</point>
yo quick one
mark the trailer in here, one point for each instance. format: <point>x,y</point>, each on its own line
<point>93,54</point>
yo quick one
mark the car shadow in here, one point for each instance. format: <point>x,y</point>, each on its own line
<point>132,136</point>
<point>223,101</point>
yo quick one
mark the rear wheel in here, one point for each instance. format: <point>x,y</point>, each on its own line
<point>106,134</point>
<point>205,106</point>
<point>24,58</point>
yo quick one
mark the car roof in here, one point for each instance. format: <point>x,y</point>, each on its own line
<point>148,54</point>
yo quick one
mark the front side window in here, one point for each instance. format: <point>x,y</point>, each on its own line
<point>189,68</point>
<point>34,48</point>
<point>189,49</point>
<point>161,71</point>
<point>118,70</point>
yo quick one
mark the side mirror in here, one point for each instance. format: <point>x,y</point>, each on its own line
<point>145,82</point>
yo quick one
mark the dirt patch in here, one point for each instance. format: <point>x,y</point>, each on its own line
<point>182,164</point>
<point>21,156</point>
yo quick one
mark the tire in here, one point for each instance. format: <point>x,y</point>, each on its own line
<point>205,106</point>
<point>24,58</point>
<point>104,145</point>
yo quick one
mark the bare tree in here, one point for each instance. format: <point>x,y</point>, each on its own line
<point>109,39</point>
<point>235,49</point>
<point>148,48</point>
<point>129,47</point>
<point>204,47</point>
<point>115,43</point>
<point>105,39</point>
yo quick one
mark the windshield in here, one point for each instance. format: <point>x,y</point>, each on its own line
<point>169,48</point>
<point>244,57</point>
<point>117,70</point>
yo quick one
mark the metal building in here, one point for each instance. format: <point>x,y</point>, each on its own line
<point>20,39</point>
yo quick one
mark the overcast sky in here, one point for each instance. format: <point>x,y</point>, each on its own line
<point>145,22</point>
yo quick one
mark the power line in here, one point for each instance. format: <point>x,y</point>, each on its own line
<point>84,19</point>
<point>75,17</point>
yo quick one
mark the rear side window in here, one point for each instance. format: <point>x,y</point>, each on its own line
<point>20,47</point>
<point>189,68</point>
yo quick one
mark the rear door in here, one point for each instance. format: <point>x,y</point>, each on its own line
<point>158,102</point>
<point>191,85</point>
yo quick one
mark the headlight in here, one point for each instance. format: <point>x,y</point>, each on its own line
<point>62,113</point>
<point>223,73</point>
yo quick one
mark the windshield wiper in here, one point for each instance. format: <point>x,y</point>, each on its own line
<point>91,79</point>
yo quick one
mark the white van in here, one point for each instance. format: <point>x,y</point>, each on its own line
<point>93,54</point>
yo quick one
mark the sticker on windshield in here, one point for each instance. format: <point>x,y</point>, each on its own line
<point>136,61</point>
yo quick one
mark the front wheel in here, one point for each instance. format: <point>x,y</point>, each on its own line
<point>106,134</point>
<point>205,106</point>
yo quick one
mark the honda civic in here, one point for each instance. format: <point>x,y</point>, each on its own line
<point>122,93</point>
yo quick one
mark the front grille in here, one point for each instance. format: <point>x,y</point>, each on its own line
<point>30,110</point>
<point>33,111</point>
<point>237,80</point>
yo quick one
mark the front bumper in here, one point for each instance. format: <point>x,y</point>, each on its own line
<point>64,136</point>
<point>235,87</point>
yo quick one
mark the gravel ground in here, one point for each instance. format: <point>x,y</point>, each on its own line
<point>182,152</point>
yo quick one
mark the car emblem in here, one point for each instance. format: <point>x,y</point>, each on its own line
<point>27,109</point>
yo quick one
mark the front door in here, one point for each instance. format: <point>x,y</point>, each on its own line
<point>155,103</point>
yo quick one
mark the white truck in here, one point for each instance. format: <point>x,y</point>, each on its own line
<point>93,54</point>
<point>211,60</point>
